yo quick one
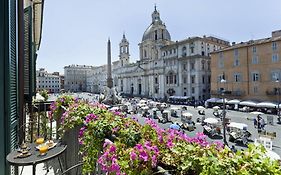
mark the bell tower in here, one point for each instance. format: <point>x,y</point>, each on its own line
<point>124,54</point>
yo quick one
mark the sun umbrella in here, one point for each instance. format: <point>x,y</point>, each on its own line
<point>145,107</point>
<point>216,107</point>
<point>266,105</point>
<point>257,113</point>
<point>200,107</point>
<point>174,108</point>
<point>142,101</point>
<point>211,120</point>
<point>187,114</point>
<point>174,126</point>
<point>238,125</point>
<point>233,102</point>
<point>248,103</point>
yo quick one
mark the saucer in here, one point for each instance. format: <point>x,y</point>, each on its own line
<point>44,154</point>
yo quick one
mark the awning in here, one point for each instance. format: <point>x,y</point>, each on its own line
<point>267,105</point>
<point>221,100</point>
<point>233,102</point>
<point>248,103</point>
<point>212,100</point>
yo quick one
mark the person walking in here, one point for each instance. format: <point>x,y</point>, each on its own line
<point>255,122</point>
<point>259,123</point>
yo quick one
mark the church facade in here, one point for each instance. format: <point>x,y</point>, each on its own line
<point>166,68</point>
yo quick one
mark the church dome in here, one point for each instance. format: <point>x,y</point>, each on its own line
<point>157,29</point>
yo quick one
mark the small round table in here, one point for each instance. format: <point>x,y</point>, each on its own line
<point>35,158</point>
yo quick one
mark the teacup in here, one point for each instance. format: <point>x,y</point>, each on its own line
<point>43,149</point>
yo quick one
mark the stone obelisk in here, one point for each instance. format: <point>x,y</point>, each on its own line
<point>109,73</point>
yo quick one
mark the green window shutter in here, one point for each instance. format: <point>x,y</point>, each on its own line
<point>9,83</point>
<point>11,86</point>
<point>27,52</point>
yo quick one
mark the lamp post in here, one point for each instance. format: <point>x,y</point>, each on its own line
<point>223,113</point>
<point>278,102</point>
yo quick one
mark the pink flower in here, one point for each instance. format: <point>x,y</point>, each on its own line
<point>143,155</point>
<point>154,161</point>
<point>112,149</point>
<point>107,142</point>
<point>133,155</point>
<point>169,144</point>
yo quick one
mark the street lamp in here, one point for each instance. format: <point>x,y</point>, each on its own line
<point>278,102</point>
<point>223,113</point>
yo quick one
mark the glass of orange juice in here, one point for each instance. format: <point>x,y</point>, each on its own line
<point>39,140</point>
<point>43,149</point>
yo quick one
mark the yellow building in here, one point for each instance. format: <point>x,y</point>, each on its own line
<point>251,70</point>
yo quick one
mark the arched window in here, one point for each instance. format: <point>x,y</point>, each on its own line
<point>155,34</point>
<point>171,78</point>
<point>145,54</point>
<point>184,51</point>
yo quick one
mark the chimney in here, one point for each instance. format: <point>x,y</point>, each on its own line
<point>276,33</point>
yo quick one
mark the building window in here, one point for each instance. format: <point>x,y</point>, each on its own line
<point>191,49</point>
<point>275,75</point>
<point>192,65</point>
<point>156,80</point>
<point>192,90</point>
<point>184,80</point>
<point>145,54</point>
<point>221,60</point>
<point>274,46</point>
<point>255,59</point>
<point>209,65</point>
<point>254,49</point>
<point>237,77</point>
<point>236,61</point>
<point>255,90</point>
<point>203,79</point>
<point>275,58</point>
<point>220,77</point>
<point>193,79</point>
<point>171,78</point>
<point>203,65</point>
<point>184,66</point>
<point>184,51</point>
<point>236,54</point>
<point>156,90</point>
<point>175,79</point>
<point>255,76</point>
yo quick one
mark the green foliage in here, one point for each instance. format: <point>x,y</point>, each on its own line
<point>173,150</point>
<point>44,93</point>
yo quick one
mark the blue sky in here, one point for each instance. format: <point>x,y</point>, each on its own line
<point>76,32</point>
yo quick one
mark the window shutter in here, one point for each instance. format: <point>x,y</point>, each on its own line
<point>27,50</point>
<point>8,88</point>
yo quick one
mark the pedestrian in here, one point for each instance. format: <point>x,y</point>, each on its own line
<point>262,123</point>
<point>255,122</point>
<point>259,123</point>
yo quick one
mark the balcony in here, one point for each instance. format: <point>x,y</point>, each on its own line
<point>112,136</point>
